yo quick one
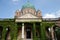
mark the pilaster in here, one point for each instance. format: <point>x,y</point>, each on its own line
<point>52,33</point>
<point>34,32</point>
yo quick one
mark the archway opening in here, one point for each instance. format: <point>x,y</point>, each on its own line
<point>28,33</point>
<point>19,31</point>
<point>38,30</point>
<point>28,30</point>
<point>7,34</point>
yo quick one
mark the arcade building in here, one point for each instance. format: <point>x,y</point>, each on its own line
<point>28,24</point>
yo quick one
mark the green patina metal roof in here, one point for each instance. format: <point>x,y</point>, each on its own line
<point>28,5</point>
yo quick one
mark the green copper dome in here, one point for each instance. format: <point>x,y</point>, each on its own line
<point>28,5</point>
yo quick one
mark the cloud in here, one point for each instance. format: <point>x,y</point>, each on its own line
<point>15,1</point>
<point>52,14</point>
<point>58,13</point>
<point>48,15</point>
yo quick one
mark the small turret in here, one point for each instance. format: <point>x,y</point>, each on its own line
<point>18,13</point>
<point>39,13</point>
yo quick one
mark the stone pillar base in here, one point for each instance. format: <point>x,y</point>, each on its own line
<point>22,39</point>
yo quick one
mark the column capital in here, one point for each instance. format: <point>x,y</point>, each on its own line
<point>22,24</point>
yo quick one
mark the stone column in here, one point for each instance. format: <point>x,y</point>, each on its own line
<point>52,33</point>
<point>42,31</point>
<point>22,31</point>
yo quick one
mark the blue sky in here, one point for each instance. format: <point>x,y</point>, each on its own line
<point>49,8</point>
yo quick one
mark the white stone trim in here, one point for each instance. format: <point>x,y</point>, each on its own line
<point>22,30</point>
<point>28,20</point>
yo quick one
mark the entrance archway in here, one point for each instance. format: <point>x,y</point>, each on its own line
<point>19,33</point>
<point>28,33</point>
<point>28,30</point>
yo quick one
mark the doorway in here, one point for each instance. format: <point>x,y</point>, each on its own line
<point>28,30</point>
<point>28,33</point>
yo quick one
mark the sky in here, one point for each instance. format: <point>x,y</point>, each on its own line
<point>49,8</point>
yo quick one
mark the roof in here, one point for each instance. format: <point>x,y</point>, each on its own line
<point>6,19</point>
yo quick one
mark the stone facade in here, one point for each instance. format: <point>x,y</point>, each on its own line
<point>28,10</point>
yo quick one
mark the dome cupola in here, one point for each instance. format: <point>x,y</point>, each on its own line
<point>28,5</point>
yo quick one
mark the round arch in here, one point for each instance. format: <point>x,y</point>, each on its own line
<point>7,37</point>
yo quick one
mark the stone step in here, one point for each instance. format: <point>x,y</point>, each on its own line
<point>28,39</point>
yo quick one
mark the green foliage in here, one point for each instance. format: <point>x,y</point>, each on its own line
<point>13,32</point>
<point>34,32</point>
<point>42,29</point>
<point>43,25</point>
<point>13,29</point>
